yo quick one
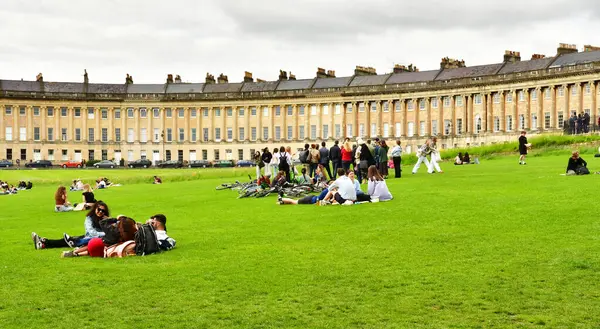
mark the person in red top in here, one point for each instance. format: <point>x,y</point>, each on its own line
<point>346,155</point>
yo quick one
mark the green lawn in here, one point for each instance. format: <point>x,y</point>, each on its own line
<point>496,245</point>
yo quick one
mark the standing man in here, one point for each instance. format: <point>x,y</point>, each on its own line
<point>523,146</point>
<point>422,154</point>
<point>335,153</point>
<point>324,158</point>
<point>397,158</point>
<point>376,148</point>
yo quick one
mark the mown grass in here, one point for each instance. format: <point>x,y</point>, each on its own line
<point>495,245</point>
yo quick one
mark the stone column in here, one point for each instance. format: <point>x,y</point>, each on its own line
<point>441,110</point>
<point>295,129</point>
<point>540,108</point>
<point>489,109</point>
<point>186,125</point>
<point>343,119</point>
<point>404,113</point>
<point>428,117</point>
<point>284,123</point>
<point>124,132</point>
<point>150,127</point>
<point>272,122</point>
<point>332,117</point>
<point>43,118</point>
<point>527,108</point>
<point>417,110</point>
<point>29,114</point>
<point>378,118</point>
<point>453,118</point>
<point>355,113</point>
<point>553,109</point>
<point>110,129</point>
<point>502,118</point>
<point>580,94</point>
<point>593,110</point>
<point>468,114</point>
<point>368,119</point>
<point>234,126</point>
<point>567,101</point>
<point>57,135</point>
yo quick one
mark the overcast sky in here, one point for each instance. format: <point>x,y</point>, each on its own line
<point>151,38</point>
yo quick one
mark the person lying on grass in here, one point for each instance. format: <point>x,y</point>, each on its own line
<point>98,212</point>
<point>309,199</point>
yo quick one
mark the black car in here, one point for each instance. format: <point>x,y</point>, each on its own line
<point>170,164</point>
<point>39,164</point>
<point>198,164</point>
<point>223,164</point>
<point>141,163</point>
<point>105,164</point>
<point>245,163</point>
<point>5,163</point>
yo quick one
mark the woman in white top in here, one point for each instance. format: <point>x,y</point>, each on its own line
<point>275,161</point>
<point>376,185</point>
<point>435,157</point>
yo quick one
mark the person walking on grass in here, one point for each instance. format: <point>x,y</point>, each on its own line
<point>523,146</point>
<point>435,157</point>
<point>422,153</point>
<point>324,158</point>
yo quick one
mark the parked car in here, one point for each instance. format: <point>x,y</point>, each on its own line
<point>39,164</point>
<point>5,163</point>
<point>245,163</point>
<point>105,164</point>
<point>170,164</point>
<point>198,164</point>
<point>223,163</point>
<point>141,163</point>
<point>71,164</point>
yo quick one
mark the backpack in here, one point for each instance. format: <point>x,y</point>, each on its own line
<point>283,164</point>
<point>146,242</point>
<point>304,156</point>
<point>582,171</point>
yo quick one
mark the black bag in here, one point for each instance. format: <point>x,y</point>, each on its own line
<point>304,156</point>
<point>582,171</point>
<point>283,164</point>
<point>146,242</point>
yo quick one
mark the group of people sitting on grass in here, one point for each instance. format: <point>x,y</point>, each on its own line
<point>465,159</point>
<point>6,188</point>
<point>157,180</point>
<point>112,237</point>
<point>62,203</point>
<point>346,190</point>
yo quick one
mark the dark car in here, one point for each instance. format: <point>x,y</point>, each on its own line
<point>105,164</point>
<point>39,164</point>
<point>170,164</point>
<point>198,164</point>
<point>141,163</point>
<point>245,163</point>
<point>5,163</point>
<point>223,163</point>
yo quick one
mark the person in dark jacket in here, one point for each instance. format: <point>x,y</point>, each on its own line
<point>575,164</point>
<point>335,154</point>
<point>266,159</point>
<point>324,158</point>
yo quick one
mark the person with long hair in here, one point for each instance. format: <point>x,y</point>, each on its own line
<point>92,226</point>
<point>274,161</point>
<point>346,155</point>
<point>435,157</point>
<point>284,162</point>
<point>383,158</point>
<point>377,187</point>
<point>88,197</point>
<point>61,203</point>
<point>119,230</point>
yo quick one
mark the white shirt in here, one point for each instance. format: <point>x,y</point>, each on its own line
<point>397,151</point>
<point>346,188</point>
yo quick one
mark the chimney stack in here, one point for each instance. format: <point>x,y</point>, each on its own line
<point>282,75</point>
<point>210,79</point>
<point>248,77</point>
<point>402,68</point>
<point>587,48</point>
<point>564,49</point>
<point>451,63</point>
<point>260,80</point>
<point>39,77</point>
<point>321,73</point>
<point>292,77</point>
<point>512,56</point>
<point>169,78</point>
<point>361,70</point>
<point>330,73</point>
<point>222,79</point>
<point>177,78</point>
<point>537,56</point>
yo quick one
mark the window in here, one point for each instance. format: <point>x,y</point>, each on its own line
<point>241,136</point>
<point>361,107</point>
<point>509,123</point>
<point>349,108</point>
<point>534,94</point>
<point>8,110</point>
<point>193,134</point>
<point>90,155</point>
<point>205,134</point>
<point>588,89</point>
<point>117,113</point>
<point>265,111</point>
<point>361,130</point>
<point>204,155</point>
<point>105,135</point>
<point>50,111</point>
<point>477,124</point>
<point>22,111</point>
<point>533,121</point>
<point>36,133</point>
<point>349,130</point>
<point>240,154</point>
<point>156,134</point>
<point>130,135</point>
<point>301,110</point>
<point>434,102</point>
<point>205,112</point>
<point>373,106</point>
<point>509,97</point>
<point>253,133</point>
<point>386,106</point>
<point>459,101</point>
<point>169,134</point>
<point>397,106</point>
<point>289,132</point>
<point>290,110</point>
<point>104,113</point>
<point>561,119</point>
<point>446,101</point>
<point>459,126</point>
<point>90,113</point>
<point>36,111</point>
<point>168,155</point>
<point>326,109</point>
<point>410,105</point>
<point>338,108</point>
<point>156,112</point>
<point>277,133</point>
<point>105,155</point>
<point>338,130</point>
<point>398,129</point>
<point>241,112</point>
<point>22,134</point>
<point>50,134</point>
<point>193,114</point>
<point>64,134</point>
<point>547,120</point>
<point>217,155</point>
<point>168,113</point>
<point>50,155</point>
<point>180,112</point>
<point>265,133</point>
<point>278,111</point>
<point>144,135</point>
<point>8,133</point>
<point>573,90</point>
<point>77,111</point>
<point>313,110</point>
<point>421,128</point>
<point>301,132</point>
<point>181,134</point>
<point>447,127</point>
<point>24,154</point>
<point>143,112</point>
<point>561,91</point>
<point>217,134</point>
<point>130,113</point>
<point>411,129</point>
<point>496,124</point>
<point>547,92</point>
<point>229,133</point>
<point>422,104</point>
<point>373,130</point>
<point>118,135</point>
<point>386,130</point>
<point>522,121</point>
<point>91,135</point>
<point>434,127</point>
<point>477,99</point>
<point>521,96</point>
<point>253,111</point>
<point>325,132</point>
<point>496,98</point>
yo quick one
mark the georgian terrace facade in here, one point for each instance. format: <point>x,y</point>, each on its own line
<point>463,106</point>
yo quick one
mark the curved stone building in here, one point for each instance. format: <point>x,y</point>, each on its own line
<point>220,120</point>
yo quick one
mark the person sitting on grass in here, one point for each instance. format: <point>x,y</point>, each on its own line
<point>459,159</point>
<point>377,188</point>
<point>88,197</point>
<point>466,159</point>
<point>360,195</point>
<point>100,184</point>
<point>98,212</point>
<point>77,185</point>
<point>304,179</point>
<point>157,180</point>
<point>576,165</point>
<point>61,203</point>
<point>159,222</point>
<point>264,181</point>
<point>342,190</point>
<point>279,180</point>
